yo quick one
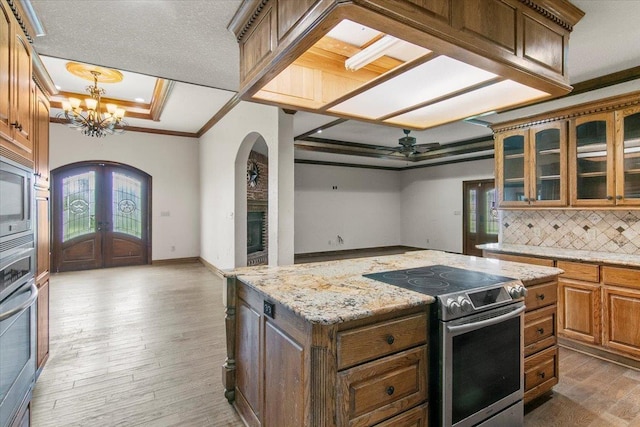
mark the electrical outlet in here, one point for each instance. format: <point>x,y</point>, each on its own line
<point>173,248</point>
<point>427,241</point>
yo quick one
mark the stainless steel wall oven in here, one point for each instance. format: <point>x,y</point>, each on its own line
<point>18,294</point>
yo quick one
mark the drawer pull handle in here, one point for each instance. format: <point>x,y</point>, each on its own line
<point>540,297</point>
<point>390,390</point>
<point>390,339</point>
<point>541,375</point>
<point>540,331</point>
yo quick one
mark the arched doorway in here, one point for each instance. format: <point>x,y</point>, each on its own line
<point>100,216</point>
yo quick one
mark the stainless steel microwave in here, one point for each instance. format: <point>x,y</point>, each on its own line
<point>15,199</point>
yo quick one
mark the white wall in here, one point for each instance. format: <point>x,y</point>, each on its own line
<point>172,163</point>
<point>224,150</point>
<point>364,210</point>
<point>432,203</point>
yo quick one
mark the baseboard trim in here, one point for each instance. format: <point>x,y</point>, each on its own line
<point>354,253</point>
<point>171,261</point>
<point>599,353</point>
<point>212,268</point>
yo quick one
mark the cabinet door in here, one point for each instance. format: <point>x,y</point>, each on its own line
<point>284,378</point>
<point>41,142</point>
<point>43,248</point>
<point>579,309</point>
<point>591,160</point>
<point>512,168</point>
<point>6,38</point>
<point>621,320</point>
<point>549,163</point>
<point>628,156</point>
<point>248,361</point>
<point>42,340</point>
<point>22,95</point>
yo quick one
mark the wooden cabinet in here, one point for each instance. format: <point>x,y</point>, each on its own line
<point>289,372</point>
<point>579,302</point>
<point>531,166</point>
<point>42,275</point>
<point>540,340</point>
<point>627,154</point>
<point>41,139</point>
<point>17,89</point>
<point>621,308</point>
<point>599,160</point>
<point>592,168</point>
<point>42,339</point>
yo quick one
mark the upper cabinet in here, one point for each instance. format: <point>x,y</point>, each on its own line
<point>583,156</point>
<point>16,94</point>
<point>628,156</point>
<point>592,160</point>
<point>531,166</point>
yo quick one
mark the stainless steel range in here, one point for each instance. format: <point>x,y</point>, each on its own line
<point>476,344</point>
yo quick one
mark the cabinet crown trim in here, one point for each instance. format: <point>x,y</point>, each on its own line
<point>601,106</point>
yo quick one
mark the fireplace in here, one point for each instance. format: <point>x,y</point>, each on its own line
<point>257,234</point>
<point>255,226</point>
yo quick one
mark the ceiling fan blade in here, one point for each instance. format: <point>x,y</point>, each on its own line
<point>423,148</point>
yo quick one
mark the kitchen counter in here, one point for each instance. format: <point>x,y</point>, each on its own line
<point>335,291</point>
<point>565,254</point>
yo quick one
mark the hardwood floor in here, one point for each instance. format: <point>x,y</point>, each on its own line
<point>135,346</point>
<point>143,346</point>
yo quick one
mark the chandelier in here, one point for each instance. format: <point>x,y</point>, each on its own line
<point>95,121</point>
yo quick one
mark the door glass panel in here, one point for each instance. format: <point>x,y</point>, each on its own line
<point>591,145</point>
<point>491,221</point>
<point>632,156</point>
<point>548,164</point>
<point>513,147</point>
<point>79,205</point>
<point>126,213</point>
<point>473,203</point>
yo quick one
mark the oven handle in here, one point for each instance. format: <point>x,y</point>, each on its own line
<point>488,322</point>
<point>24,306</point>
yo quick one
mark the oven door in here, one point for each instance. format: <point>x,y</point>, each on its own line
<point>482,363</point>
<point>17,350</point>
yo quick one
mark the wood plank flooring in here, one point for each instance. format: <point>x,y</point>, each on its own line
<point>143,346</point>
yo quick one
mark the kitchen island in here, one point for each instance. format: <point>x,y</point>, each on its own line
<point>320,345</point>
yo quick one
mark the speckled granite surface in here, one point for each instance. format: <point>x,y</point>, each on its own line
<point>566,254</point>
<point>335,291</point>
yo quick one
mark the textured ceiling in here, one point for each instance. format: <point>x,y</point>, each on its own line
<point>183,40</point>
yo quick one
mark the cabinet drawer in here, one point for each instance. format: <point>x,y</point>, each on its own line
<point>540,373</point>
<point>383,388</point>
<point>580,271</point>
<point>541,295</point>
<point>539,329</point>
<point>371,342</point>
<point>416,417</point>
<point>621,277</point>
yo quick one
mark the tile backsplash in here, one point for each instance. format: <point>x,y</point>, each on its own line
<point>604,231</point>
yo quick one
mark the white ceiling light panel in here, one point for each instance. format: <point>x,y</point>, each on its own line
<point>431,80</point>
<point>488,98</point>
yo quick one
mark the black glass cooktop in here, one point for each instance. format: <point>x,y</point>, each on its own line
<point>437,280</point>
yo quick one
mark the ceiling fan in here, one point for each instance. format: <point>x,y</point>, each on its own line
<point>408,146</point>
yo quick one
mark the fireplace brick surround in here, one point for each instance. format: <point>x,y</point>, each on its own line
<point>258,201</point>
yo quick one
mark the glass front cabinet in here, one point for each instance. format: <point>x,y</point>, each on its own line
<point>627,152</point>
<point>531,166</point>
<point>605,159</point>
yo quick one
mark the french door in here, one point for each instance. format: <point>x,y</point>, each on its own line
<point>100,216</point>
<point>480,224</point>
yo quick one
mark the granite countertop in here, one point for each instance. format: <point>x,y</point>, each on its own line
<point>335,291</point>
<point>566,254</point>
